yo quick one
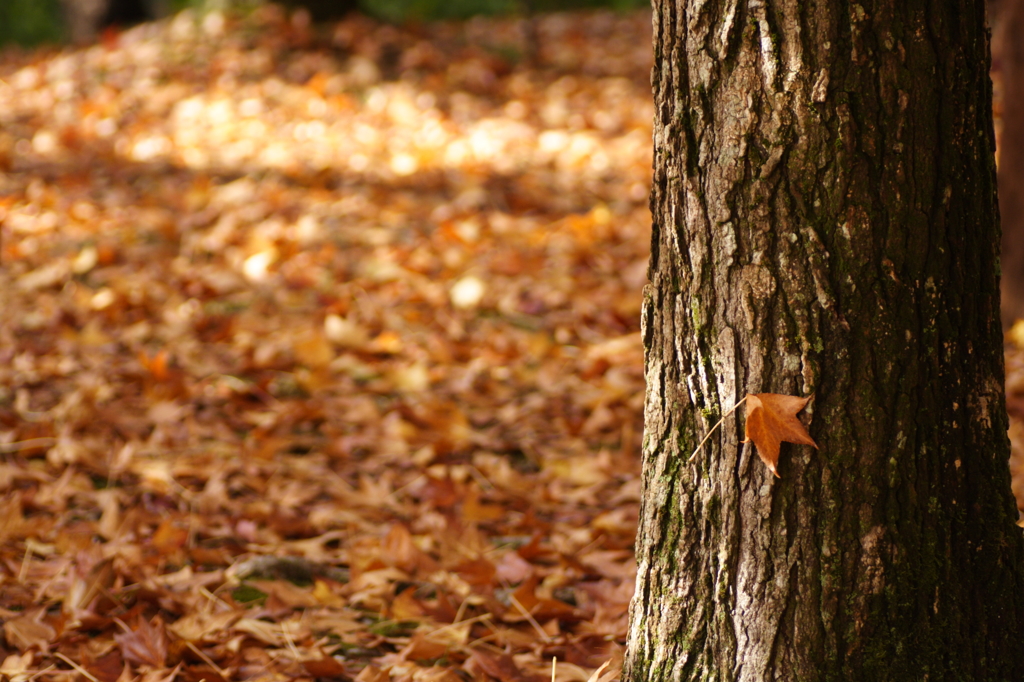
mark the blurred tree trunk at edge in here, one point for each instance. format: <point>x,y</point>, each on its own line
<point>1011,159</point>
<point>825,221</point>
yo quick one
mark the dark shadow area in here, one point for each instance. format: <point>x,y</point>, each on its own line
<point>126,13</point>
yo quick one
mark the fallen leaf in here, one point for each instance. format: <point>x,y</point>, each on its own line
<point>372,673</point>
<point>170,536</point>
<point>325,667</point>
<point>29,631</point>
<point>146,644</point>
<point>499,666</point>
<point>422,647</point>
<point>198,625</point>
<point>287,594</point>
<point>260,630</point>
<point>313,349</point>
<point>17,668</point>
<point>405,606</point>
<point>160,675</point>
<point>771,419</point>
<point>106,668</point>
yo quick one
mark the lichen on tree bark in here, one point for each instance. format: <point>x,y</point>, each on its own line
<point>825,222</point>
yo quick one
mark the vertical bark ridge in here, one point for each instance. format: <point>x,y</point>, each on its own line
<point>825,222</point>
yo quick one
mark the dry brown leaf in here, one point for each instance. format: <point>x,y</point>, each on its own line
<point>145,643</point>
<point>422,647</point>
<point>15,667</point>
<point>405,606</point>
<point>500,666</point>
<point>326,667</point>
<point>200,625</point>
<point>160,675</point>
<point>479,571</point>
<point>29,631</point>
<point>512,568</point>
<point>106,668</point>
<point>771,419</point>
<point>268,633</point>
<point>96,583</point>
<point>170,536</point>
<point>286,593</point>
<point>372,673</point>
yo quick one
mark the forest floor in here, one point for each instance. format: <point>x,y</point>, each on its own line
<point>319,351</point>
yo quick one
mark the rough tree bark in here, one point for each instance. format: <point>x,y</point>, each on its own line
<point>825,222</point>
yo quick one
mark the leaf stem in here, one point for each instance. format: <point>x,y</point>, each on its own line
<point>731,410</point>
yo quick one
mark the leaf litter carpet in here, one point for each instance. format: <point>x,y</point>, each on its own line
<point>319,353</point>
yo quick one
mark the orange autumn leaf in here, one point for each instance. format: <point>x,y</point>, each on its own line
<point>771,419</point>
<point>159,366</point>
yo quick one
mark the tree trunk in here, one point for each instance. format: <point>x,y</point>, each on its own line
<point>825,222</point>
<point>1011,159</point>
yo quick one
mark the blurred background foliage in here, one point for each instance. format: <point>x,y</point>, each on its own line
<point>32,22</point>
<point>29,22</point>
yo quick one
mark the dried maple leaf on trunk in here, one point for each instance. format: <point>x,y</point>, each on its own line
<point>771,419</point>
